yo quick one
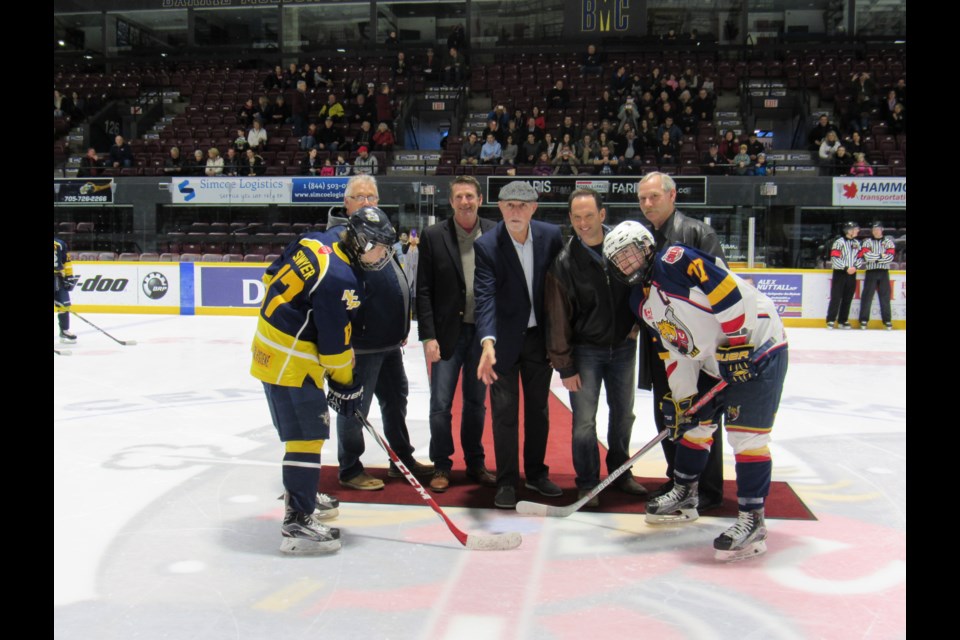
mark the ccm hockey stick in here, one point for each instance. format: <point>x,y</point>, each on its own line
<point>527,508</point>
<point>488,542</point>
<point>126,343</point>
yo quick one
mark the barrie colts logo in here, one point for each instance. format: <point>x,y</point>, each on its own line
<point>189,193</point>
<point>677,335</point>
<point>155,285</point>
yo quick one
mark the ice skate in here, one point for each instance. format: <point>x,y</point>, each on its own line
<point>304,534</point>
<point>67,338</point>
<point>327,506</point>
<point>677,506</point>
<point>745,539</point>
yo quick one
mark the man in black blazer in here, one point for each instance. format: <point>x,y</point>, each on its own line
<point>446,326</point>
<point>512,263</point>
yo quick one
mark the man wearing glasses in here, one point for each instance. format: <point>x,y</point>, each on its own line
<point>379,331</point>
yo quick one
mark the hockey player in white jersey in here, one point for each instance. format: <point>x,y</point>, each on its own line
<point>711,325</point>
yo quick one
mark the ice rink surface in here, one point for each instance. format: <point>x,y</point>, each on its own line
<point>167,472</point>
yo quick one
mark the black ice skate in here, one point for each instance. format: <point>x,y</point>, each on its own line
<point>67,338</point>
<point>677,506</point>
<point>304,534</point>
<point>327,507</point>
<point>745,539</point>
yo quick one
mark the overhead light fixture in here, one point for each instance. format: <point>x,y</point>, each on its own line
<point>341,50</point>
<point>61,43</point>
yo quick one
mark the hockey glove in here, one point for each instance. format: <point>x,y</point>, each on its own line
<point>343,399</point>
<point>69,282</point>
<point>675,417</point>
<point>736,363</point>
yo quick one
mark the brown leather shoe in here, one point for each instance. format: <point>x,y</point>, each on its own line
<point>440,481</point>
<point>482,476</point>
<point>418,469</point>
<point>363,481</point>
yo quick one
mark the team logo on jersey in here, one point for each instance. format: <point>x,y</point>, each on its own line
<point>350,297</point>
<point>324,249</point>
<point>673,254</point>
<point>676,334</point>
<point>647,314</point>
<point>155,285</point>
<point>733,413</point>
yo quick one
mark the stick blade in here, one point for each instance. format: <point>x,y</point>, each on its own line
<point>494,542</point>
<point>526,508</point>
<point>63,352</point>
<point>129,343</point>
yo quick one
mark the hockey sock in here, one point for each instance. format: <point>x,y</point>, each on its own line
<point>64,320</point>
<point>753,481</point>
<point>301,473</point>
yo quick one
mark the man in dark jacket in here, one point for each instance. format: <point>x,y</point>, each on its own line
<point>591,340</point>
<point>658,196</point>
<point>447,327</point>
<point>379,331</point>
<point>511,266</point>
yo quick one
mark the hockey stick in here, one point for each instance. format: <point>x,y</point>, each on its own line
<point>126,343</point>
<point>63,352</point>
<point>527,508</point>
<point>490,542</point>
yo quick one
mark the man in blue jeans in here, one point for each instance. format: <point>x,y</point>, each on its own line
<point>592,339</point>
<point>446,325</point>
<point>379,331</point>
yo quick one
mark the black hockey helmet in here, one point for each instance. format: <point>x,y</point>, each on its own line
<point>367,228</point>
<point>850,225</point>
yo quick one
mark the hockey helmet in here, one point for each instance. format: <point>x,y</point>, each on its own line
<point>629,251</point>
<point>850,225</point>
<point>368,228</point>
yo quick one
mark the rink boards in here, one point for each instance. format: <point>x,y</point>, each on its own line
<point>199,288</point>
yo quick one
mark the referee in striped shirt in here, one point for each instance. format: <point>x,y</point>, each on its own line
<point>845,255</point>
<point>877,253</point>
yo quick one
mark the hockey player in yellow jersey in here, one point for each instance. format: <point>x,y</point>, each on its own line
<point>63,282</point>
<point>303,344</point>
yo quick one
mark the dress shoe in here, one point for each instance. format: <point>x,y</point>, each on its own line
<point>593,502</point>
<point>662,489</point>
<point>417,469</point>
<point>706,503</point>
<point>630,486</point>
<point>363,481</point>
<point>506,497</point>
<point>545,487</point>
<point>440,481</point>
<point>482,475</point>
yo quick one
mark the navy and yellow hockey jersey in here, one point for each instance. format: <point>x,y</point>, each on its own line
<point>695,304</point>
<point>61,259</point>
<point>304,327</point>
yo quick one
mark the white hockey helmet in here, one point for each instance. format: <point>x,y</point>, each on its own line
<point>629,251</point>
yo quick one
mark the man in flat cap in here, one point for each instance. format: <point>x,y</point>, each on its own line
<point>511,266</point>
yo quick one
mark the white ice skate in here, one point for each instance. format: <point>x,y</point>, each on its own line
<point>745,539</point>
<point>304,534</point>
<point>677,506</point>
<point>327,507</point>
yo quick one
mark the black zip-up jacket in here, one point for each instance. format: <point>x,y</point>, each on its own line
<point>693,233</point>
<point>585,305</point>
